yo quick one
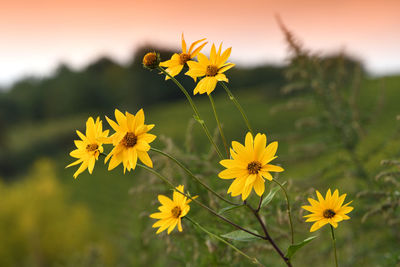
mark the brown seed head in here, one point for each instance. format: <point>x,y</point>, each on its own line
<point>212,70</point>
<point>92,147</point>
<point>254,167</point>
<point>176,212</point>
<point>329,213</point>
<point>151,60</point>
<point>184,58</point>
<point>129,140</point>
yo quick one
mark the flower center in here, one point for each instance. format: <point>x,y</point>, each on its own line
<point>254,167</point>
<point>176,212</point>
<point>151,60</point>
<point>329,213</point>
<point>184,58</point>
<point>129,139</point>
<point>212,70</point>
<point>92,147</point>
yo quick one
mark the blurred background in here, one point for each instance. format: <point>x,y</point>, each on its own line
<point>326,85</point>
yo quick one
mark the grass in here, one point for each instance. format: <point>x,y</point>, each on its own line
<point>120,206</point>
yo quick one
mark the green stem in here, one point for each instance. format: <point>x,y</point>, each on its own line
<point>334,245</point>
<point>192,175</point>
<point>288,208</point>
<point>219,125</point>
<point>268,237</point>
<point>198,202</point>
<point>253,260</point>
<point>196,112</point>
<point>239,107</point>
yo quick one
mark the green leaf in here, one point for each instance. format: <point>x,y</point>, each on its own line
<point>270,195</point>
<point>228,208</point>
<point>294,248</point>
<point>240,235</point>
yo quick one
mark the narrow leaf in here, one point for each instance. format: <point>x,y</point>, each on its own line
<point>293,248</point>
<point>270,195</point>
<point>240,235</point>
<point>228,208</point>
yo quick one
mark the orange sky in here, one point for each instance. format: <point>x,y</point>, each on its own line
<point>37,35</point>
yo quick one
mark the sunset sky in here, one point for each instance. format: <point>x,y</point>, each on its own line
<point>37,35</point>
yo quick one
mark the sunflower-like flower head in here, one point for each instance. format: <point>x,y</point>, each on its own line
<point>130,140</point>
<point>151,60</point>
<point>171,211</point>
<point>249,165</point>
<point>329,210</point>
<point>177,62</point>
<point>213,69</point>
<point>89,147</point>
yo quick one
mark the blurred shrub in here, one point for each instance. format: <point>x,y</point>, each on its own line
<point>38,227</point>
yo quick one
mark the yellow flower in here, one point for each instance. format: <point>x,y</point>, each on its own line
<point>89,147</point>
<point>177,61</point>
<point>130,140</point>
<point>212,69</point>
<point>249,165</point>
<point>329,210</point>
<point>171,211</point>
<point>151,60</point>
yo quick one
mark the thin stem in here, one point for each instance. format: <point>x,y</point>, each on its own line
<point>268,237</point>
<point>239,107</point>
<point>288,209</point>
<point>196,112</point>
<point>253,260</point>
<point>192,175</point>
<point>259,203</point>
<point>219,125</point>
<point>334,245</point>
<point>197,202</point>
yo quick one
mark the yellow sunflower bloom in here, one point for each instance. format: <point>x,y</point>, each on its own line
<point>249,165</point>
<point>329,210</point>
<point>213,69</point>
<point>177,62</point>
<point>89,147</point>
<point>130,140</point>
<point>171,211</point>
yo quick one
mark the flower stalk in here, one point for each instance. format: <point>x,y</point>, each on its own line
<point>288,209</point>
<point>219,125</point>
<point>198,202</point>
<point>196,112</point>
<point>238,106</point>
<point>334,244</point>
<point>192,175</point>
<point>252,259</point>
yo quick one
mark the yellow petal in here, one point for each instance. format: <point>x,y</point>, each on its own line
<point>259,186</point>
<point>224,57</point>
<point>221,77</point>
<point>226,67</point>
<point>272,168</point>
<point>183,44</point>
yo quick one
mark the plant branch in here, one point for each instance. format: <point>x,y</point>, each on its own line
<point>196,112</point>
<point>192,175</point>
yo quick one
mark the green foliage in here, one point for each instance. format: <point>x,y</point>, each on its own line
<point>292,249</point>
<point>38,227</point>
<point>267,199</point>
<point>240,235</point>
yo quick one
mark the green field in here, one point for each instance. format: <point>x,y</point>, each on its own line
<point>115,229</point>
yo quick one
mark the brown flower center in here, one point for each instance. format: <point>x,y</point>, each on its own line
<point>151,60</point>
<point>254,167</point>
<point>92,147</point>
<point>129,140</point>
<point>184,58</point>
<point>329,213</point>
<point>176,212</point>
<point>212,70</point>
